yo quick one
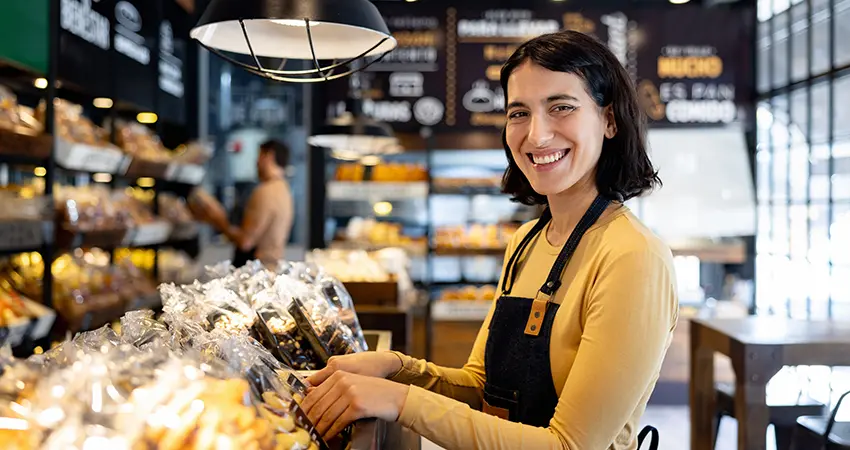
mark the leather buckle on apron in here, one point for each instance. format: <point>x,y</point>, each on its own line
<point>538,311</point>
<point>501,413</point>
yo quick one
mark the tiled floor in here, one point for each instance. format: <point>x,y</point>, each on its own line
<point>673,423</point>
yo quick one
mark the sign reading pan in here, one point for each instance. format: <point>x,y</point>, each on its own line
<point>123,49</point>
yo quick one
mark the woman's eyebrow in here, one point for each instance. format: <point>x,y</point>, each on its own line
<point>556,97</point>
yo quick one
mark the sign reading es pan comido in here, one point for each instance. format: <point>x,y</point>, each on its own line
<point>689,73</point>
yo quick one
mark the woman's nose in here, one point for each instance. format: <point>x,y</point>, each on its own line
<point>540,132</point>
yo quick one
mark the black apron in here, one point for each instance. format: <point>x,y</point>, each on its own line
<point>241,257</point>
<point>519,384</point>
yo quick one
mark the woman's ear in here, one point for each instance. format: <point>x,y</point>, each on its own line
<point>610,122</point>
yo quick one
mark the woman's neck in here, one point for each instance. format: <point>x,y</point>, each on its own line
<point>567,209</point>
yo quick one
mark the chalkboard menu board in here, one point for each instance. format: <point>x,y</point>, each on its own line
<point>690,73</point>
<point>134,42</point>
<point>85,44</point>
<point>133,51</point>
<point>445,72</point>
<point>407,89</point>
<point>171,65</point>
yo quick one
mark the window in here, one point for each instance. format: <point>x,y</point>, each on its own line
<point>840,229</point>
<point>841,105</point>
<point>803,159</point>
<point>820,36</point>
<point>820,113</point>
<point>763,55</point>
<point>780,50</point>
<point>799,42</point>
<point>842,32</point>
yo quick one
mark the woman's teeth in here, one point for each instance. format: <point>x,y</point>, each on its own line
<point>548,159</point>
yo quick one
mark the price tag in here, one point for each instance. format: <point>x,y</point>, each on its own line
<point>191,173</point>
<point>171,172</point>
<point>89,159</point>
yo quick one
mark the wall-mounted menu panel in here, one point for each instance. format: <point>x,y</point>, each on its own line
<point>408,87</point>
<point>85,44</point>
<point>171,64</point>
<point>133,51</point>
<point>445,72</point>
<point>134,40</point>
<point>691,74</point>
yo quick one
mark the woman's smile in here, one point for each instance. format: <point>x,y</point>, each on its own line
<point>546,161</point>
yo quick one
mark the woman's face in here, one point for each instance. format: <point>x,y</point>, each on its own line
<point>555,130</point>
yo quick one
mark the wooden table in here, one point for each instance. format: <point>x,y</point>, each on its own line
<point>758,347</point>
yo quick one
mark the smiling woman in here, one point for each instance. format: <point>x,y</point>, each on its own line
<point>573,343</point>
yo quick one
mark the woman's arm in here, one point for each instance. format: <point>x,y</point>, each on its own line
<point>630,316</point>
<point>467,383</point>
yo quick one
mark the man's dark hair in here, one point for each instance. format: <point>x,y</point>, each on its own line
<point>624,169</point>
<point>281,151</point>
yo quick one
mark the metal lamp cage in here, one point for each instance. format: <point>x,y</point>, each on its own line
<point>317,74</point>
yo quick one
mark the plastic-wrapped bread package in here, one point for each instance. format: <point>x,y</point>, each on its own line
<point>338,296</point>
<point>278,389</point>
<point>278,331</point>
<point>332,290</point>
<point>104,390</point>
<point>316,317</point>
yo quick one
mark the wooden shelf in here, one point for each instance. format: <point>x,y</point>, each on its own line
<point>468,251</point>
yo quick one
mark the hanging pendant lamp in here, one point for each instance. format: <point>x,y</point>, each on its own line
<point>330,34</point>
<point>353,135</point>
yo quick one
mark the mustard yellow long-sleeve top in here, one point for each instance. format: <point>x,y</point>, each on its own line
<point>617,315</point>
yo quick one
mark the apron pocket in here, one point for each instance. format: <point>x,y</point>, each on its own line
<point>501,403</point>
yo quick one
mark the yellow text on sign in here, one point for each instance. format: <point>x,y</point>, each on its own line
<point>690,67</point>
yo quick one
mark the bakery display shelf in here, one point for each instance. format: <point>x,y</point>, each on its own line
<point>32,328</point>
<point>185,231</point>
<point>24,148</point>
<point>101,159</point>
<point>460,282</point>
<point>108,238</point>
<point>466,190</point>
<point>731,251</point>
<point>468,251</point>
<point>460,310</point>
<point>148,234</point>
<point>24,235</point>
<point>90,158</point>
<point>376,191</point>
<point>413,249</point>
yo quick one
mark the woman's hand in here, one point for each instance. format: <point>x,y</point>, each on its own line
<point>372,364</point>
<point>345,397</point>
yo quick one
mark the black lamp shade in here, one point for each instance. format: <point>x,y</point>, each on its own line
<point>338,29</point>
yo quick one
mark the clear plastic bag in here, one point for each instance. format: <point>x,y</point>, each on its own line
<point>278,332</point>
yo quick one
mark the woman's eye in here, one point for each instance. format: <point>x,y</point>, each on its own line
<point>517,115</point>
<point>564,108</point>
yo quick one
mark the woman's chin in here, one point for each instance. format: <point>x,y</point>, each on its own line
<point>551,189</point>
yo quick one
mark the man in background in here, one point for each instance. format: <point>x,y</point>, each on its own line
<point>268,216</point>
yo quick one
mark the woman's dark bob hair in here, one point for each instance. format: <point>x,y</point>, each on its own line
<point>624,170</point>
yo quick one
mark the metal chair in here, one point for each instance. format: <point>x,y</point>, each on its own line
<point>783,414</point>
<point>822,433</point>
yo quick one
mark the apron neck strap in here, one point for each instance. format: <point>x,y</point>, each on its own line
<point>553,281</point>
<point>513,262</point>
